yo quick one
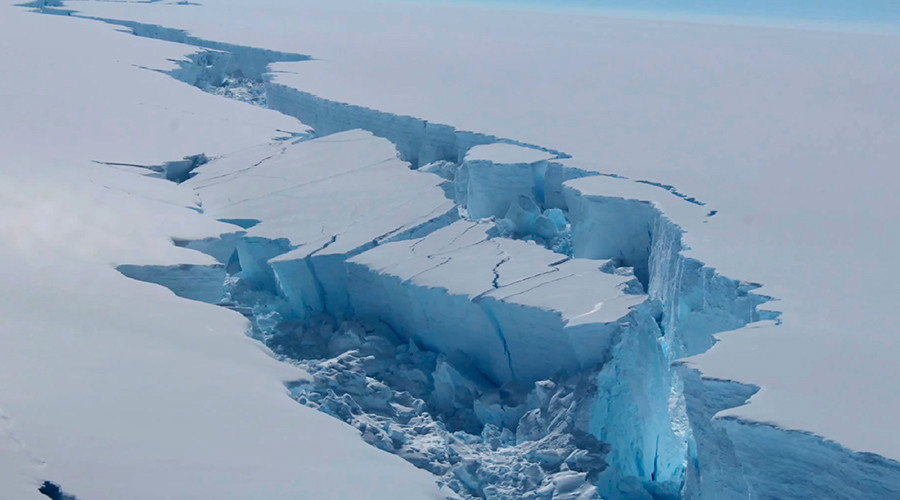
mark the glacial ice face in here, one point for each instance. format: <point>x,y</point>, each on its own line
<point>518,187</point>
<point>696,301</point>
<point>492,188</point>
<point>418,141</point>
<point>735,459</point>
<point>487,300</point>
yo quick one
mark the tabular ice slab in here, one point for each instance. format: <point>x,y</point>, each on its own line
<point>517,310</point>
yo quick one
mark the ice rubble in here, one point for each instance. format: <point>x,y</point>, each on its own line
<point>667,452</point>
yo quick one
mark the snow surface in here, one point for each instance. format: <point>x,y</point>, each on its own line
<point>506,153</point>
<point>763,153</point>
<point>788,135</point>
<point>350,186</point>
<point>110,387</point>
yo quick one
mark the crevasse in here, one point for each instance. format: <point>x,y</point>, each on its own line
<point>451,380</point>
<point>500,349</point>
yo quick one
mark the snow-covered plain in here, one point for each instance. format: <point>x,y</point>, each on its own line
<point>114,388</point>
<point>789,134</point>
<point>766,154</point>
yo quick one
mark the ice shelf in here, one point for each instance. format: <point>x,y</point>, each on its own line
<point>511,320</point>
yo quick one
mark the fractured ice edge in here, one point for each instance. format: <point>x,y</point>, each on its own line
<point>492,322</point>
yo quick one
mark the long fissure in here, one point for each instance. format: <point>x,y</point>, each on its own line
<point>406,361</point>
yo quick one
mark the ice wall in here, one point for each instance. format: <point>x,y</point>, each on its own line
<point>504,305</point>
<point>696,301</point>
<point>727,458</point>
<point>491,177</point>
<point>419,141</point>
<point>693,302</point>
<point>737,459</point>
